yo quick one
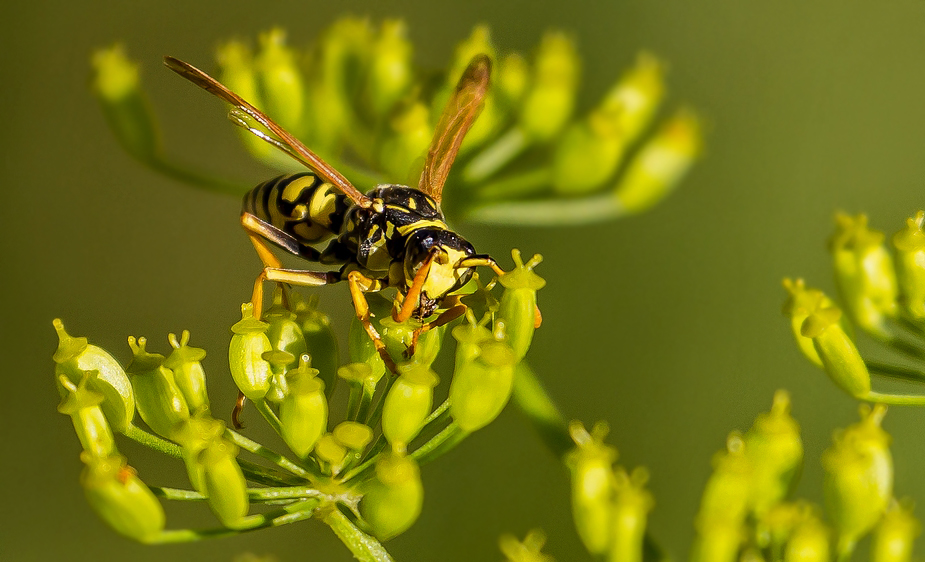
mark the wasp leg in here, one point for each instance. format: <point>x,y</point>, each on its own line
<point>414,293</point>
<point>360,284</point>
<point>236,411</point>
<point>486,261</point>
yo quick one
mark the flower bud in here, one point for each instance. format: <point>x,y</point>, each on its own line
<point>83,405</point>
<point>479,42</point>
<point>303,413</point>
<point>320,341</point>
<point>194,435</point>
<point>895,535</point>
<point>279,387</point>
<point>631,507</point>
<point>188,373</point>
<point>858,482</point>
<point>353,435</point>
<point>910,265</point>
<point>809,542</point>
<point>225,486</point>
<point>407,404</point>
<point>392,501</point>
<point>518,303</point>
<point>284,333</point>
<point>526,551</point>
<point>238,73</point>
<point>840,357</point>
<point>482,385</point>
<point>513,77</point>
<point>774,526</point>
<point>410,132</point>
<point>390,72</point>
<point>587,155</point>
<point>660,163</point>
<point>158,398</point>
<point>724,505</point>
<point>120,498</point>
<point>774,447</point>
<point>75,357</point>
<point>864,273</point>
<point>593,486</point>
<point>117,86</point>
<point>360,347</point>
<point>331,451</point>
<point>549,103</point>
<point>799,305</point>
<point>281,80</point>
<point>250,371</point>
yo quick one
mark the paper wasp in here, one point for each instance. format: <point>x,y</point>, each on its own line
<point>394,236</point>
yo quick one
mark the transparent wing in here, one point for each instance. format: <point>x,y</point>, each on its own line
<point>286,142</point>
<point>457,117</point>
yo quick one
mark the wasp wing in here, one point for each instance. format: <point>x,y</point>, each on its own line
<point>457,117</point>
<point>288,143</point>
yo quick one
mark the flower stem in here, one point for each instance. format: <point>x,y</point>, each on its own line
<point>365,548</point>
<point>496,156</point>
<point>440,444</point>
<point>269,415</point>
<point>269,454</point>
<point>550,212</point>
<point>537,405</point>
<point>901,399</point>
<point>160,445</point>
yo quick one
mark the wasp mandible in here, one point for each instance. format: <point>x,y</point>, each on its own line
<point>393,236</point>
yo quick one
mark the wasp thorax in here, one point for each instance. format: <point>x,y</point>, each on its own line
<point>444,274</point>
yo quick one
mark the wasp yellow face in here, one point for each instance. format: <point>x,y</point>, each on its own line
<point>445,274</point>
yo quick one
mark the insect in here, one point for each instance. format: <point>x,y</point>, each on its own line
<point>393,236</point>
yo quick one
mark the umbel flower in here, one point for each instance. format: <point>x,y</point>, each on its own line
<point>357,98</point>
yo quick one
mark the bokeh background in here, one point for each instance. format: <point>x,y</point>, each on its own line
<point>667,325</point>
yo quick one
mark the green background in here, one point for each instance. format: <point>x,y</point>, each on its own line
<point>667,325</point>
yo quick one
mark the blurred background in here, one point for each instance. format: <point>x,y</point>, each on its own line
<point>667,324</point>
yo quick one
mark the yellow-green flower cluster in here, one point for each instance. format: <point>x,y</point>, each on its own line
<point>356,97</point>
<point>367,463</point>
<point>883,292</point>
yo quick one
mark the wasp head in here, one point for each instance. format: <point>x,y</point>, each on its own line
<point>445,250</point>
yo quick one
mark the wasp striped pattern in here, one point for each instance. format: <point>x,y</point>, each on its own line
<point>301,205</point>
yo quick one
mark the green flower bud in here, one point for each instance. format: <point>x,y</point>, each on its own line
<point>774,526</point>
<point>513,77</point>
<point>75,357</point>
<point>284,331</point>
<point>117,86</point>
<point>724,505</point>
<point>390,72</point>
<point>799,305</point>
<point>631,507</point>
<point>526,551</point>
<point>392,501</point>
<point>320,341</point>
<point>864,273</point>
<point>353,435</point>
<point>910,265</point>
<point>840,357</point>
<point>225,485</point>
<point>593,486</point>
<point>587,155</point>
<point>402,151</point>
<point>407,404</point>
<point>237,72</point>
<point>83,405</point>
<point>281,80</point>
<point>279,386</point>
<point>194,435</point>
<point>478,42</point>
<point>635,98</point>
<point>120,498</point>
<point>250,371</point>
<point>158,398</point>
<point>774,447</point>
<point>549,103</point>
<point>303,413</point>
<point>188,373</point>
<point>895,534</point>
<point>518,303</point>
<point>661,163</point>
<point>331,451</point>
<point>809,542</point>
<point>482,384</point>
<point>858,480</point>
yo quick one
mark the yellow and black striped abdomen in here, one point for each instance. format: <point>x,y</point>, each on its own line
<point>302,205</point>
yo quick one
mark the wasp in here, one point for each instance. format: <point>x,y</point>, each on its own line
<point>394,236</point>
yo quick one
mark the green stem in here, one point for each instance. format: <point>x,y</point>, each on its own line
<point>555,211</point>
<point>895,371</point>
<point>255,494</point>
<point>538,406</point>
<point>263,475</point>
<point>376,415</point>
<point>438,445</point>
<point>901,399</point>
<point>517,186</point>
<point>353,400</point>
<point>195,178</point>
<point>269,454</point>
<point>365,548</point>
<point>269,415</point>
<point>495,156</point>
<point>297,511</point>
<point>160,445</point>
